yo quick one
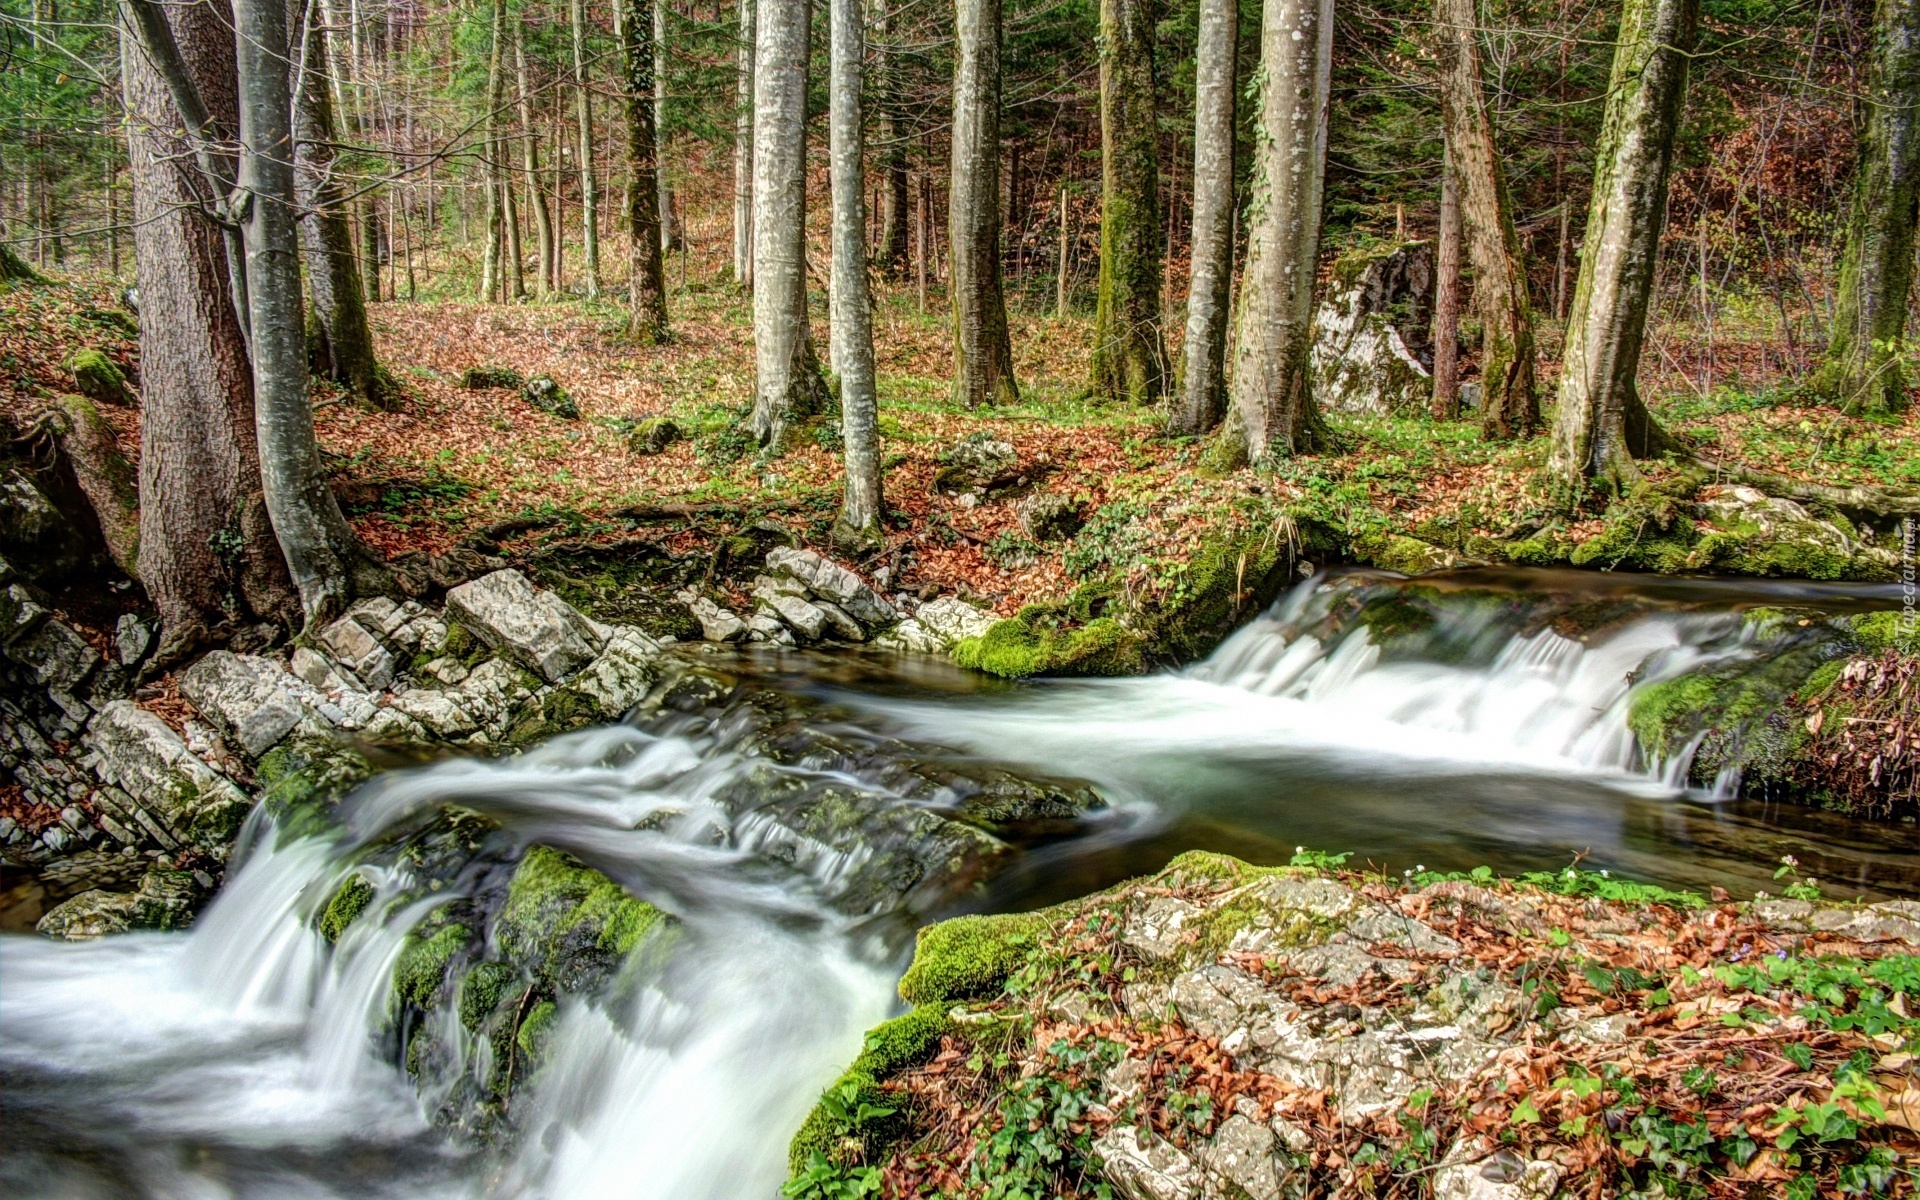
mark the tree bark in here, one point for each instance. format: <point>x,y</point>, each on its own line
<point>1509,403</point>
<point>1863,368</point>
<point>1601,425</point>
<point>894,206</point>
<point>104,474</point>
<point>207,553</point>
<point>1446,299</point>
<point>492,262</point>
<point>858,524</point>
<point>341,345</point>
<point>982,351</point>
<point>648,286</point>
<point>583,113</point>
<point>1129,354</point>
<point>530,164</point>
<point>1203,392</point>
<point>743,152</point>
<point>669,228</point>
<point>1273,414</point>
<point>788,373</point>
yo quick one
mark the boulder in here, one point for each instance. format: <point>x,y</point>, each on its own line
<point>830,581</point>
<point>803,618</point>
<point>536,629</point>
<point>764,628</point>
<point>1141,1165</point>
<point>147,761</point>
<point>621,676</point>
<point>481,378</point>
<point>844,626</point>
<point>35,534</point>
<point>716,624</point>
<point>653,435</point>
<point>1503,1176</point>
<point>975,463</point>
<point>909,635</point>
<point>543,393</point>
<point>18,613</point>
<point>1370,329</point>
<point>252,700</point>
<point>59,658</point>
<point>99,379</point>
<point>1049,517</point>
<point>950,619</point>
<point>89,915</point>
<point>1771,536</point>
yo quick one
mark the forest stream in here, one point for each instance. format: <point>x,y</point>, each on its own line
<point>250,1057</point>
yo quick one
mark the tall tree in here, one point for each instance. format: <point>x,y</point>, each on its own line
<point>669,227</point>
<point>1129,354</point>
<point>530,166</point>
<point>893,147</point>
<point>788,373</point>
<point>1601,425</point>
<point>1273,414</point>
<point>1446,300</point>
<point>341,341</point>
<point>1509,404</point>
<point>859,521</point>
<point>1203,392</point>
<point>492,259</point>
<point>648,284</point>
<point>982,350</point>
<point>207,554</point>
<point>743,151</point>
<point>1863,368</point>
<point>583,114</point>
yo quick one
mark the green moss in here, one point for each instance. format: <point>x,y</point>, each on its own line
<point>301,778</point>
<point>559,711</point>
<point>1876,633</point>
<point>348,901</point>
<point>1231,577</point>
<point>895,1045</point>
<point>99,378</point>
<point>422,966</point>
<point>534,1031</point>
<point>968,956</point>
<point>567,923</point>
<point>1015,649</point>
<point>481,989</point>
<point>1400,553</point>
<point>490,377</point>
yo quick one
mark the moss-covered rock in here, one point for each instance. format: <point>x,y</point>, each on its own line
<point>481,378</point>
<point>99,378</point>
<point>535,1029</point>
<point>855,1115</point>
<point>344,907</point>
<point>1033,643</point>
<point>543,393</point>
<point>968,956</point>
<point>302,778</point>
<point>568,925</point>
<point>653,435</point>
<point>421,970</point>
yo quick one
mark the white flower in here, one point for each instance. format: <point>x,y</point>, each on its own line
<point>1604,873</point>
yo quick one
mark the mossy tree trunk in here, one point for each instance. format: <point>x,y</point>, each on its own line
<point>1273,414</point>
<point>1203,390</point>
<point>1509,405</point>
<point>1863,368</point>
<point>647,286</point>
<point>1129,354</point>
<point>1602,425</point>
<point>858,524</point>
<point>982,350</point>
<point>530,165</point>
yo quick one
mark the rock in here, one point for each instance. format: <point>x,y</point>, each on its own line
<point>149,762</point>
<point>355,648</point>
<point>549,397</point>
<point>843,625</point>
<point>621,676</point>
<point>1368,331</point>
<point>1049,517</point>
<point>34,534</point>
<point>59,658</point>
<point>909,635</point>
<point>317,670</point>
<point>976,463</point>
<point>250,699</point>
<point>480,378</point>
<point>803,618</point>
<point>450,671</point>
<point>1157,930</point>
<point>1141,1165</point>
<point>1244,1155</point>
<point>18,613</point>
<point>1470,394</point>
<point>716,624</point>
<point>132,638</point>
<point>89,915</point>
<point>1771,536</point>
<point>1504,1176</point>
<point>830,581</point>
<point>950,619</point>
<point>439,711</point>
<point>536,629</point>
<point>99,379</point>
<point>653,435</point>
<point>764,628</point>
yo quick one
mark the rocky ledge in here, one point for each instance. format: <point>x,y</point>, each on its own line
<point>1226,1031</point>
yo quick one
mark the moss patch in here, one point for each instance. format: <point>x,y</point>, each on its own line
<point>835,1127</point>
<point>968,956</point>
<point>568,924</point>
<point>1034,644</point>
<point>422,966</point>
<point>344,907</point>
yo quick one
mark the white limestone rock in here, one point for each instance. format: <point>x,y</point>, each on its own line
<point>1141,1165</point>
<point>251,700</point>
<point>140,755</point>
<point>803,618</point>
<point>831,581</point>
<point>950,619</point>
<point>536,629</point>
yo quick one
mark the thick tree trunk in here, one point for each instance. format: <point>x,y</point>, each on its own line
<point>319,547</point>
<point>1273,414</point>
<point>1601,425</point>
<point>894,207</point>
<point>530,164</point>
<point>1509,404</point>
<point>583,113</point>
<point>207,553</point>
<point>982,351</point>
<point>1446,300</point>
<point>1203,391</point>
<point>743,152</point>
<point>858,524</point>
<point>648,285</point>
<point>341,344</point>
<point>1863,368</point>
<point>1129,354</point>
<point>789,382</point>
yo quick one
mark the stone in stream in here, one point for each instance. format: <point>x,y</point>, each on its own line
<point>950,619</point>
<point>716,624</point>
<point>536,629</point>
<point>803,618</point>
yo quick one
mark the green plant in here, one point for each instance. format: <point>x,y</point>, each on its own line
<point>823,1180</point>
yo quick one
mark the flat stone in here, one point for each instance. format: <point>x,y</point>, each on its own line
<point>357,649</point>
<point>717,624</point>
<point>1242,1154</point>
<point>439,711</point>
<point>950,619</point>
<point>59,658</point>
<point>537,629</point>
<point>250,699</point>
<point>446,670</point>
<point>843,625</point>
<point>804,619</point>
<point>89,915</point>
<point>141,756</point>
<point>1141,1165</point>
<point>831,581</point>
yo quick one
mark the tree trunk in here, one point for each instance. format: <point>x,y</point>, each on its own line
<point>1129,354</point>
<point>1203,392</point>
<point>319,547</point>
<point>648,285</point>
<point>1509,405</point>
<point>669,229</point>
<point>858,524</point>
<point>743,152</point>
<point>492,274</point>
<point>1446,299</point>
<point>788,374</point>
<point>207,554</point>
<point>893,153</point>
<point>982,352</point>
<point>583,112</point>
<point>1601,425</point>
<point>341,346</point>
<point>1273,414</point>
<point>1863,368</point>
<point>530,164</point>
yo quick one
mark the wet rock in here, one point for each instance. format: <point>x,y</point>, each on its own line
<point>830,581</point>
<point>843,626</point>
<point>910,635</point>
<point>1049,517</point>
<point>621,676</point>
<point>536,629</point>
<point>1142,1165</point>
<point>717,624</point>
<point>803,618</point>
<point>567,924</point>
<point>950,619</point>
<point>89,915</point>
<point>764,628</point>
<point>149,763</point>
<point>1763,535</point>
<point>480,378</point>
<point>653,435</point>
<point>132,638</point>
<point>1368,331</point>
<point>250,699</point>
<point>543,393</point>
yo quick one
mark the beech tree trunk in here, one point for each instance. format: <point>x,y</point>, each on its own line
<point>1863,371</point>
<point>340,343</point>
<point>207,553</point>
<point>894,208</point>
<point>583,113</point>
<point>982,351</point>
<point>858,524</point>
<point>1203,391</point>
<point>1129,354</point>
<point>669,228</point>
<point>789,382</point>
<point>1446,300</point>
<point>743,152</point>
<point>493,258</point>
<point>648,285</point>
<point>1509,403</point>
<point>319,546</point>
<point>1602,425</point>
<point>530,164</point>
<point>1272,414</point>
